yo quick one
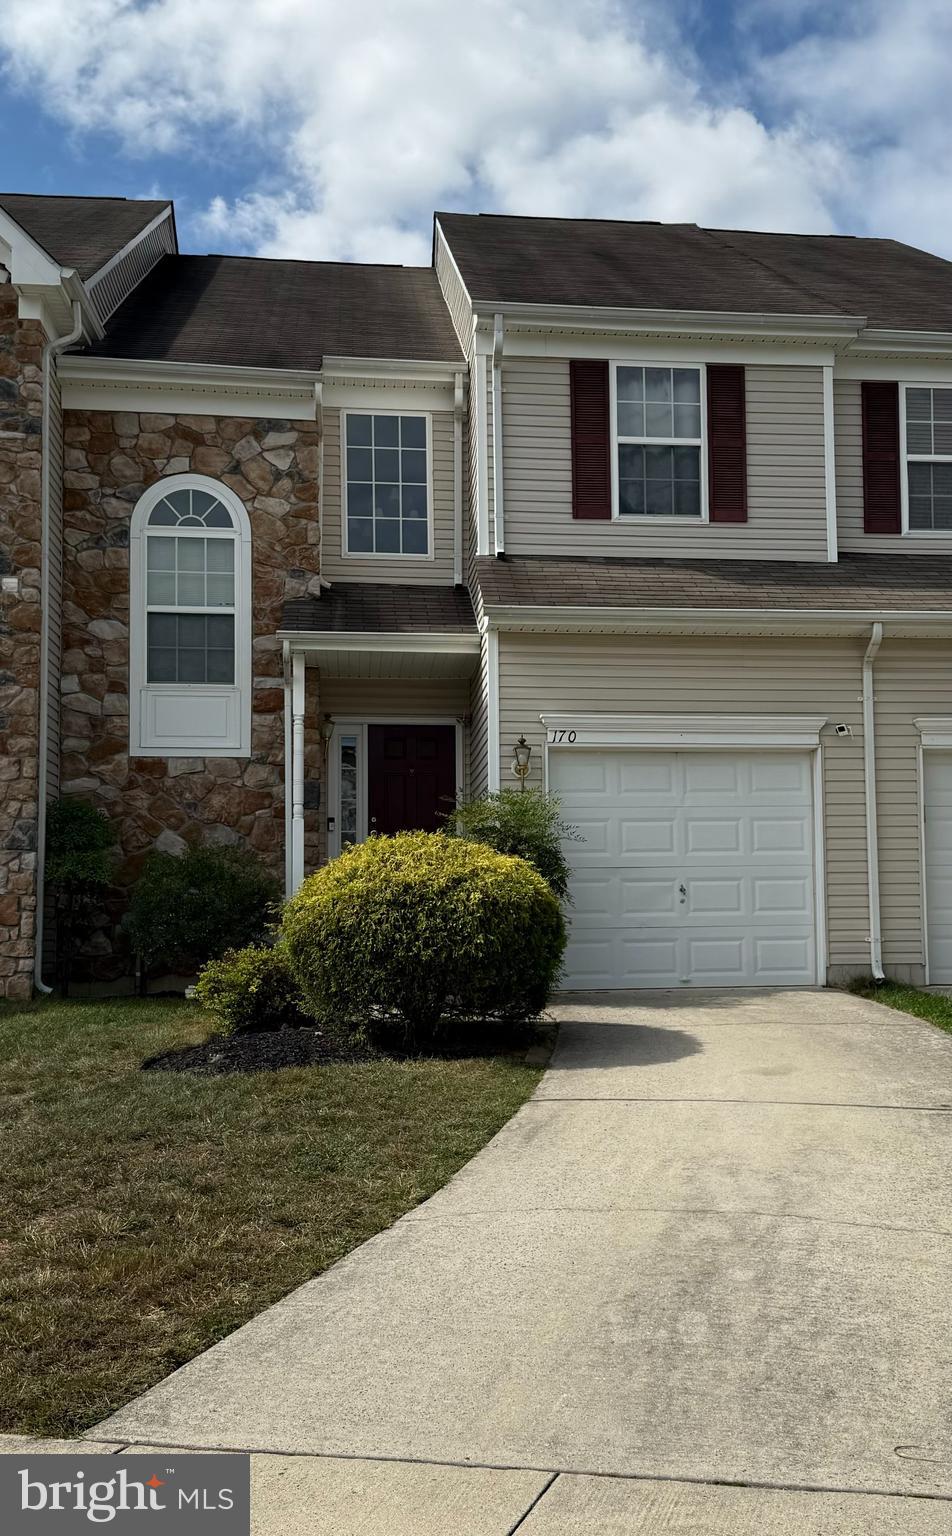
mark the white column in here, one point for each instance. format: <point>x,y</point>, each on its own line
<point>297,769</point>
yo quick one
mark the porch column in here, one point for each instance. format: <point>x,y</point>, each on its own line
<point>297,769</point>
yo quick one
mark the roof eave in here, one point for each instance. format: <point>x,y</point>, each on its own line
<point>836,328</point>
<point>616,619</point>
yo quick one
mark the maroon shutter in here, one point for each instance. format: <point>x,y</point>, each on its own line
<point>881,502</point>
<point>727,442</point>
<point>591,440</point>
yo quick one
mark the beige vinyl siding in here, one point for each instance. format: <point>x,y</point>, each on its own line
<point>912,678</point>
<point>785,474</point>
<point>551,674</point>
<point>479,724</point>
<point>457,299</point>
<point>848,436</point>
<point>337,566</point>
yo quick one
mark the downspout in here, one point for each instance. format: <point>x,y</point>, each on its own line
<point>499,529</point>
<point>50,353</point>
<point>458,481</point>
<point>872,829</point>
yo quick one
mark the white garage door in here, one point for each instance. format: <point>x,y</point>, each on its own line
<point>696,869</point>
<point>938,806</point>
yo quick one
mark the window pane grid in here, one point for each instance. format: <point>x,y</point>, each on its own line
<point>658,430</point>
<point>387,498</point>
<point>191,648</point>
<point>929,458</point>
<point>190,591</point>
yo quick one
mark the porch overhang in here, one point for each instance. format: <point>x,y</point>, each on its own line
<point>429,656</point>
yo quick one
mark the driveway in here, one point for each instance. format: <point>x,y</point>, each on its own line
<point>715,1248</point>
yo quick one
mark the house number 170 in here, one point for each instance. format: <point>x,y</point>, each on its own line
<point>557,737</point>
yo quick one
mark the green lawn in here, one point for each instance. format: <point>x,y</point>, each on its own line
<point>144,1215</point>
<point>925,1005</point>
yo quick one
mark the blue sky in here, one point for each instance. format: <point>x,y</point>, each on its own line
<point>311,129</point>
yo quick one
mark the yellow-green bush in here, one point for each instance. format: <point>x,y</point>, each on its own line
<point>412,935</point>
<point>251,989</point>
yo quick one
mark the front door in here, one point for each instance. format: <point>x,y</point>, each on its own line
<point>411,777</point>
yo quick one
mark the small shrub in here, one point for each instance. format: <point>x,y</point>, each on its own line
<point>189,909</point>
<point>409,938</point>
<point>80,849</point>
<point>527,823</point>
<point>252,989</point>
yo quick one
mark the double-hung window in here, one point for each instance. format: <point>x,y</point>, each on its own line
<point>190,650</point>
<point>928,469</point>
<point>659,440</point>
<point>387,497</point>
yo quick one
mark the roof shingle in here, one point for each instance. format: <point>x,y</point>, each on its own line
<point>372,608</point>
<point>81,232</point>
<point>887,582</point>
<point>614,263</point>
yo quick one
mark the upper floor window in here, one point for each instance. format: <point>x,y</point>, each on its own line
<point>190,620</point>
<point>387,494</point>
<point>928,430</point>
<point>659,441</point>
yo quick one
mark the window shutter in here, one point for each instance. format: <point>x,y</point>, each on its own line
<point>882,511</point>
<point>727,442</point>
<point>591,440</point>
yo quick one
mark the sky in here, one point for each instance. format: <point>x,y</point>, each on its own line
<point>326,130</point>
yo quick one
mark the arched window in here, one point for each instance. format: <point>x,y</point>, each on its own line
<point>190,651</point>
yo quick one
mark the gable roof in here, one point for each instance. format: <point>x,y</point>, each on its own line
<point>81,232</point>
<point>246,311</point>
<point>615,263</point>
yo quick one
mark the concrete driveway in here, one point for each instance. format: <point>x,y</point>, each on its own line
<point>715,1248</point>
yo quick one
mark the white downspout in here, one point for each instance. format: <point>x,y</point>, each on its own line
<point>50,352</point>
<point>499,527</point>
<point>297,769</point>
<point>872,829</point>
<point>458,481</point>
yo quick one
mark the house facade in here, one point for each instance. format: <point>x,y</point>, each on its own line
<point>296,552</point>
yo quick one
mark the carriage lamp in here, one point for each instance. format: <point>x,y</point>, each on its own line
<point>522,752</point>
<point>327,731</point>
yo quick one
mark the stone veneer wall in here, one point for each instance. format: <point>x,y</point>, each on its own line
<point>21,363</point>
<point>166,803</point>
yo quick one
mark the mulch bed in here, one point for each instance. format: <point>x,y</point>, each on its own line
<point>266,1050</point>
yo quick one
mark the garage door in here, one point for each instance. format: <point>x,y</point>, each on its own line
<point>938,806</point>
<point>696,868</point>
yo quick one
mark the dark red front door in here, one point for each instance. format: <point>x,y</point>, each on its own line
<point>411,773</point>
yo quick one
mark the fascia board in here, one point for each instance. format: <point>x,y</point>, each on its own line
<point>723,620</point>
<point>837,328</point>
<point>387,641</point>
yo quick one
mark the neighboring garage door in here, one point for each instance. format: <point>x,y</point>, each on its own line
<point>696,869</point>
<point>938,840</point>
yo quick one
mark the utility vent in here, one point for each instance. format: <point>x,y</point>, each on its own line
<point>116,280</point>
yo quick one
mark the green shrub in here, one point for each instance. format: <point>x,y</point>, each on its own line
<point>80,849</point>
<point>187,909</point>
<point>411,937</point>
<point>252,989</point>
<point>527,823</point>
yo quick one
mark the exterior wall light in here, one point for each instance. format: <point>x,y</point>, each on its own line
<point>520,762</point>
<point>327,731</point>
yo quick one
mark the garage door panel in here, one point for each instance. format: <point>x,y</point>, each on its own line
<point>734,830</point>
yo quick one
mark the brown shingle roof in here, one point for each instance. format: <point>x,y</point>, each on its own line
<point>81,232</point>
<point>610,263</point>
<point>373,608</point>
<point>890,582</point>
<point>249,312</point>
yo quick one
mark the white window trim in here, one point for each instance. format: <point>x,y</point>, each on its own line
<point>905,459</point>
<point>651,518</point>
<point>365,554</point>
<point>357,726</point>
<point>141,691</point>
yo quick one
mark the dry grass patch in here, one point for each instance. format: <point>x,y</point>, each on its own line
<point>145,1215</point>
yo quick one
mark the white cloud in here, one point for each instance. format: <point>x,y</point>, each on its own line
<point>381,112</point>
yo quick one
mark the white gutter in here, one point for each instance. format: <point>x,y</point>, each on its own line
<point>499,529</point>
<point>50,352</point>
<point>872,830</point>
<point>591,617</point>
<point>458,480</point>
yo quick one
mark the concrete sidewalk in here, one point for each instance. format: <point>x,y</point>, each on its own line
<point>715,1248</point>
